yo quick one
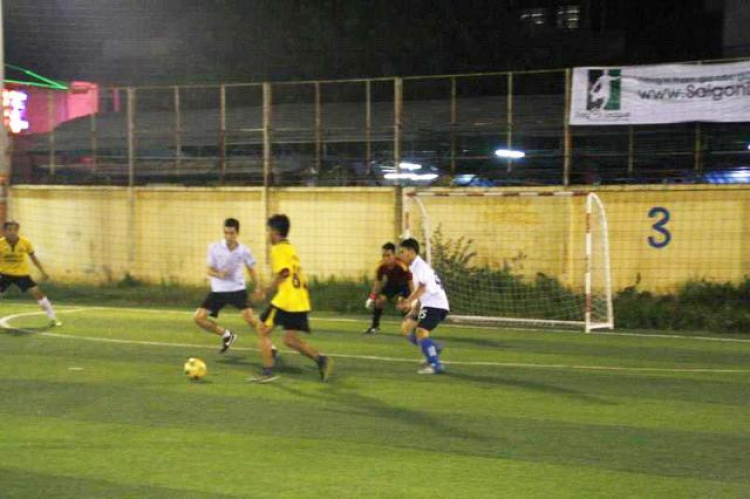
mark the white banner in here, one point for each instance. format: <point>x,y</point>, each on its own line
<point>674,93</point>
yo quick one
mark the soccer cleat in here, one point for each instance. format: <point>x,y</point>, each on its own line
<point>325,366</point>
<point>431,369</point>
<point>54,323</point>
<point>372,331</point>
<point>263,378</point>
<point>226,341</point>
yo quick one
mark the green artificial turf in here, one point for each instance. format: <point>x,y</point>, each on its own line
<point>100,408</point>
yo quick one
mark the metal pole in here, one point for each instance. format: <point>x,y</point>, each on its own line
<point>223,131</point>
<point>131,135</point>
<point>454,113</point>
<point>698,152</point>
<point>398,108</point>
<point>509,121</point>
<point>51,118</point>
<point>94,145</point>
<point>5,166</point>
<point>631,151</point>
<point>368,126</point>
<point>267,152</point>
<point>177,130</point>
<point>567,139</point>
<point>318,124</point>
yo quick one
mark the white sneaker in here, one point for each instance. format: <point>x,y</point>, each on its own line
<point>226,341</point>
<point>430,369</point>
<point>263,378</point>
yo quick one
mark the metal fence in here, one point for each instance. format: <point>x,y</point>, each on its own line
<point>438,130</point>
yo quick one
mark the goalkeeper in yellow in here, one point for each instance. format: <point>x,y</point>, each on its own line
<point>290,305</point>
<point>14,268</point>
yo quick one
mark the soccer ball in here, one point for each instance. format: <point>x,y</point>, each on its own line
<point>195,368</point>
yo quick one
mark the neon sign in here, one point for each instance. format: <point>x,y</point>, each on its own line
<point>14,110</point>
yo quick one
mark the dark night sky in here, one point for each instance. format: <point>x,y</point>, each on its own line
<point>178,41</point>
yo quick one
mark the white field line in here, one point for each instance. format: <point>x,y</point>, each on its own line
<point>468,326</point>
<point>5,324</point>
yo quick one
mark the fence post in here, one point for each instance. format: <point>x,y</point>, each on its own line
<point>267,153</point>
<point>223,132</point>
<point>454,116</point>
<point>567,139</point>
<point>51,116</point>
<point>131,135</point>
<point>177,130</point>
<point>698,150</point>
<point>318,124</point>
<point>94,143</point>
<point>509,121</point>
<point>368,127</point>
<point>398,108</point>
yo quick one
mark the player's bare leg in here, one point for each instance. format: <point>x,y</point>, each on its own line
<point>201,319</point>
<point>325,364</point>
<point>227,337</point>
<point>253,321</point>
<point>44,302</point>
<point>377,312</point>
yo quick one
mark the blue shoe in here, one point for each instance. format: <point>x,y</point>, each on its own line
<point>432,369</point>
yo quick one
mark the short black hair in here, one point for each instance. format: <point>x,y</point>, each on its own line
<point>280,223</point>
<point>232,222</point>
<point>389,247</point>
<point>410,243</point>
<point>11,223</point>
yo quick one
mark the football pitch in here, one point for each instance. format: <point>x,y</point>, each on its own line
<point>101,408</point>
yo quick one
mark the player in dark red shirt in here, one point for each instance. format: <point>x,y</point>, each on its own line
<point>392,279</point>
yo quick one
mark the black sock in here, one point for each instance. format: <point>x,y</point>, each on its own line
<point>376,317</point>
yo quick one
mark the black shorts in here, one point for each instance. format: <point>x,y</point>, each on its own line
<point>23,282</point>
<point>289,321</point>
<point>216,301</point>
<point>392,291</point>
<point>429,318</point>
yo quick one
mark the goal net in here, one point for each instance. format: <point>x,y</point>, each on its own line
<point>520,258</point>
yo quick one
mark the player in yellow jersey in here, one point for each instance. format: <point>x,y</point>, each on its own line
<point>290,305</point>
<point>14,268</point>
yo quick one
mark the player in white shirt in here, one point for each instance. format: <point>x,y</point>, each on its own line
<point>226,261</point>
<point>426,307</point>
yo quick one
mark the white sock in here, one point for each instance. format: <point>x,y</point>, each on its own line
<point>47,307</point>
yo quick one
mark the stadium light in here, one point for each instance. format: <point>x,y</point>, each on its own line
<point>405,165</point>
<point>509,154</point>
<point>411,176</point>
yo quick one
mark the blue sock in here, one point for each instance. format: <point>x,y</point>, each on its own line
<point>413,339</point>
<point>430,351</point>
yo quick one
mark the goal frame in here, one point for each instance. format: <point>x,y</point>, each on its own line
<point>593,202</point>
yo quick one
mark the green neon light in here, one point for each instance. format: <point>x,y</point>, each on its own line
<point>33,84</point>
<point>50,83</point>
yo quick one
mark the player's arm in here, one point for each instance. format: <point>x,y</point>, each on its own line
<point>280,277</point>
<point>38,265</point>
<point>258,294</point>
<point>377,288</point>
<point>214,272</point>
<point>411,302</point>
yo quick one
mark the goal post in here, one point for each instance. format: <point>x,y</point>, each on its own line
<point>531,259</point>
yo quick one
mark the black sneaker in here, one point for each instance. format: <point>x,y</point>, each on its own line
<point>372,331</point>
<point>325,366</point>
<point>226,341</point>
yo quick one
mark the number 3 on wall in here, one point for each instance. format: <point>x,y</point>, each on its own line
<point>666,237</point>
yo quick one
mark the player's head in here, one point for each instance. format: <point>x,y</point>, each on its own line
<point>278,227</point>
<point>408,250</point>
<point>389,253</point>
<point>10,229</point>
<point>231,230</point>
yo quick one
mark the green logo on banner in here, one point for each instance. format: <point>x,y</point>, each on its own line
<point>605,89</point>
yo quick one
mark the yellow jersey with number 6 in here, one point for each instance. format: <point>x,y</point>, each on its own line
<point>292,295</point>
<point>13,258</point>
